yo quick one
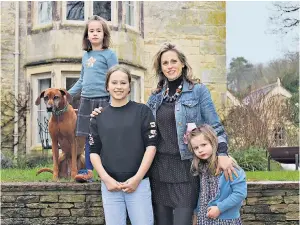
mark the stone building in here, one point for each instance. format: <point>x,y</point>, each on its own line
<point>41,47</point>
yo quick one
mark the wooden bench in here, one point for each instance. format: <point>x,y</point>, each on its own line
<point>287,155</point>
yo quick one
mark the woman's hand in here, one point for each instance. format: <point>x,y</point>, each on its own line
<point>112,185</point>
<point>226,164</point>
<point>131,184</point>
<point>96,111</point>
<point>213,212</point>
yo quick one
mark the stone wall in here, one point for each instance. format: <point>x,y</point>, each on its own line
<point>269,203</point>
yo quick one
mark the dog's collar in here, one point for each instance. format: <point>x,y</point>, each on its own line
<point>61,111</point>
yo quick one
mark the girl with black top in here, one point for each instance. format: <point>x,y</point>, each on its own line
<point>123,141</point>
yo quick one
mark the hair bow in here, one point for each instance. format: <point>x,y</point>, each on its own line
<point>190,127</point>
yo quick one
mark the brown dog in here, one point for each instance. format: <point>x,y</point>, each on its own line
<point>62,125</point>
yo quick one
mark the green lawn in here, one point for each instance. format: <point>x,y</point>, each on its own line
<point>273,176</point>
<point>29,175</point>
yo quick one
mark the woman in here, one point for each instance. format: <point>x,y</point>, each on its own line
<point>176,104</point>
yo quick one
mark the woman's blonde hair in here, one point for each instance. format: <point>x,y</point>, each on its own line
<point>186,70</point>
<point>86,44</point>
<point>209,135</point>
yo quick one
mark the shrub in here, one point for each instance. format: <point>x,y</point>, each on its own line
<point>253,159</point>
<point>6,162</point>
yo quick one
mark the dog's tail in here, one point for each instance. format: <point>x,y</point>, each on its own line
<point>44,170</point>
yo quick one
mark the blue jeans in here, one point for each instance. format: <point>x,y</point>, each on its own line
<point>138,204</point>
<point>88,163</point>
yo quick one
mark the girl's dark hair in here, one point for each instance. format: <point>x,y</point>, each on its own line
<point>115,68</point>
<point>186,70</point>
<point>86,44</point>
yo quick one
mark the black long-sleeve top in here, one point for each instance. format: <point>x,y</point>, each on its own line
<point>120,135</point>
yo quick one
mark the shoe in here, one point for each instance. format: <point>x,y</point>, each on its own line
<point>84,176</point>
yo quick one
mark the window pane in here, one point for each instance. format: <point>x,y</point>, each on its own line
<point>75,10</point>
<point>132,91</point>
<point>129,13</point>
<point>76,99</point>
<point>44,12</point>
<point>102,9</point>
<point>43,116</point>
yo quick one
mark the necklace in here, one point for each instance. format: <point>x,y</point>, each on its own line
<point>172,98</point>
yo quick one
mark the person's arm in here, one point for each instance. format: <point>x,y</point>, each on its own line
<point>78,85</point>
<point>210,116</point>
<point>149,138</point>
<point>112,60</point>
<point>239,192</point>
<point>95,151</point>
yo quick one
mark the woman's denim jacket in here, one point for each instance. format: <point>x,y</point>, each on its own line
<point>193,106</point>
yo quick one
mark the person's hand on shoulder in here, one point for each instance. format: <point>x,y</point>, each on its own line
<point>226,164</point>
<point>96,112</point>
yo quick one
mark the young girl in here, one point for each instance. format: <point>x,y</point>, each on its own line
<point>219,201</point>
<point>96,61</point>
<point>123,140</point>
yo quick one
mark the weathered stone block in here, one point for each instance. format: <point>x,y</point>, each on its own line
<point>293,207</point>
<point>28,199</point>
<point>247,217</point>
<point>8,198</point>
<point>87,204</point>
<point>72,198</point>
<point>253,223</point>
<point>67,220</point>
<point>90,220</point>
<point>61,205</point>
<point>270,217</point>
<point>49,198</point>
<point>87,212</point>
<point>29,221</point>
<point>280,208</point>
<point>267,193</point>
<point>254,194</point>
<point>272,200</point>
<point>55,212</point>
<point>293,216</point>
<point>12,205</point>
<point>37,205</point>
<point>93,198</point>
<point>256,209</point>
<point>20,212</point>
<point>291,199</point>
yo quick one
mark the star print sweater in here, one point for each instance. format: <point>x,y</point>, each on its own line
<point>95,65</point>
<point>120,135</point>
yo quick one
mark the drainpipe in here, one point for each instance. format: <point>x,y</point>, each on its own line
<point>16,53</point>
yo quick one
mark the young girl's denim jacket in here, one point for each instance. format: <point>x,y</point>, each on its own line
<point>230,195</point>
<point>193,106</point>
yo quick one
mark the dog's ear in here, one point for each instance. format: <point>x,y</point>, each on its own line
<point>38,100</point>
<point>66,93</point>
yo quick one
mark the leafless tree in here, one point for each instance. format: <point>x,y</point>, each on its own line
<point>285,16</point>
<point>8,119</point>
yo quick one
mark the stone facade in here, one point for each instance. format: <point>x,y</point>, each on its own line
<point>269,203</point>
<point>199,30</point>
<point>54,50</point>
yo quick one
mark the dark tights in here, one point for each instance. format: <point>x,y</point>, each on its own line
<point>165,215</point>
